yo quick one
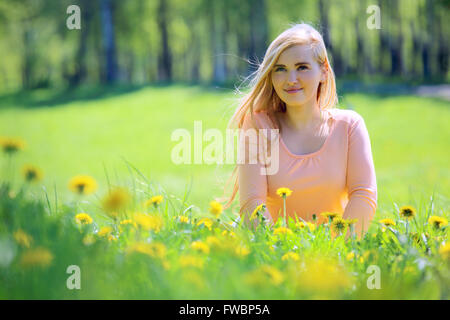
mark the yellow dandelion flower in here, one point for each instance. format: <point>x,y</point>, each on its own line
<point>351,221</point>
<point>300,225</point>
<point>31,173</point>
<point>183,219</point>
<point>257,211</point>
<point>39,257</point>
<point>339,224</point>
<point>282,230</point>
<point>88,239</point>
<point>241,251</point>
<point>290,256</point>
<point>330,215</point>
<point>215,208</point>
<point>387,222</point>
<point>213,241</point>
<point>83,218</point>
<point>148,222</point>
<point>105,231</point>
<point>206,222</point>
<point>112,238</point>
<point>444,251</point>
<point>350,256</point>
<point>284,192</point>
<point>275,275</point>
<point>407,212</point>
<point>200,246</point>
<point>191,261</point>
<point>437,222</point>
<point>22,238</point>
<point>82,185</point>
<point>116,200</point>
<point>11,145</point>
<point>155,201</point>
<point>128,222</point>
<point>153,249</point>
<point>229,234</point>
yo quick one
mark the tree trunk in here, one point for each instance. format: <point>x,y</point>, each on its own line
<point>109,45</point>
<point>165,56</point>
<point>258,30</point>
<point>216,23</point>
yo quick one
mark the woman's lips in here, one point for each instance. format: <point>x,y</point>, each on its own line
<point>293,91</point>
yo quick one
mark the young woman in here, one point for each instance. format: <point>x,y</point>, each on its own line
<point>324,153</point>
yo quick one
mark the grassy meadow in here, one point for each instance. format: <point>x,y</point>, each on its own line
<point>122,137</point>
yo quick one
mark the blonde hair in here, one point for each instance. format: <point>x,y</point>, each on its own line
<point>262,96</point>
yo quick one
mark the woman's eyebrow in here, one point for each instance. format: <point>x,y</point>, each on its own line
<point>298,63</point>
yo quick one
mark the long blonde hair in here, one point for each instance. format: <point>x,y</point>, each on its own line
<point>262,96</point>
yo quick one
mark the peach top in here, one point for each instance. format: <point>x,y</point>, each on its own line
<point>339,177</point>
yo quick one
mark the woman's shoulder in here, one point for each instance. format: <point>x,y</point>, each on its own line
<point>351,117</point>
<point>262,119</point>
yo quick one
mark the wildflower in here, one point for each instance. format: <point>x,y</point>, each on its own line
<point>444,251</point>
<point>200,246</point>
<point>227,233</point>
<point>88,239</point>
<point>206,222</point>
<point>339,224</point>
<point>351,222</point>
<point>128,222</point>
<point>241,251</point>
<point>148,222</point>
<point>155,201</point>
<point>183,219</point>
<point>83,218</point>
<point>22,238</point>
<point>282,230</point>
<point>11,145</point>
<point>257,210</point>
<point>112,238</point>
<point>387,222</point>
<point>215,208</point>
<point>153,249</point>
<point>284,192</point>
<point>275,275</point>
<point>213,241</point>
<point>105,231</point>
<point>330,215</point>
<point>191,261</point>
<point>323,276</point>
<point>82,185</point>
<point>39,257</point>
<point>303,225</point>
<point>407,212</point>
<point>31,173</point>
<point>290,256</point>
<point>115,200</point>
<point>437,222</point>
<point>350,256</point>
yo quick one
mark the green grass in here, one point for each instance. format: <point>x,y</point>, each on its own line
<point>90,131</point>
<point>115,134</point>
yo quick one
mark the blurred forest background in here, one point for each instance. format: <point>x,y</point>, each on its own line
<point>210,42</point>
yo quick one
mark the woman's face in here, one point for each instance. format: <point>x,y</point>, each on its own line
<point>296,70</point>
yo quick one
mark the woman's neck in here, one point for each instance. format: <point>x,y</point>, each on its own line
<point>301,118</point>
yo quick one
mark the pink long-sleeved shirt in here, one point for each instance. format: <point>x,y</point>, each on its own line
<point>339,177</point>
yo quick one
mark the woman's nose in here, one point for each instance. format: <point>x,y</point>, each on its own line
<point>292,77</point>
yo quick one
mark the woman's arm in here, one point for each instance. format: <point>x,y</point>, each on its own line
<point>361,179</point>
<point>251,178</point>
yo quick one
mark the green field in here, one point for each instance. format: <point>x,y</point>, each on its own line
<point>122,137</point>
<point>92,131</point>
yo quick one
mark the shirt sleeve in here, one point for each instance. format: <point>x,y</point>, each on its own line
<point>361,179</point>
<point>252,180</point>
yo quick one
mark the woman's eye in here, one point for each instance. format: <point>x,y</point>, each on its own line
<point>279,68</point>
<point>302,67</point>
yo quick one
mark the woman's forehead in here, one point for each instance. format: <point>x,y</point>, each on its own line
<point>296,54</point>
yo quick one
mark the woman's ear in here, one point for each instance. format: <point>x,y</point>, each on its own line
<point>323,73</point>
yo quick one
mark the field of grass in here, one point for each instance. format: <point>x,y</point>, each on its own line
<point>89,133</point>
<point>122,137</point>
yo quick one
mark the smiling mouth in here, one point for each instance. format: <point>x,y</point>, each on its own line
<point>294,90</point>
